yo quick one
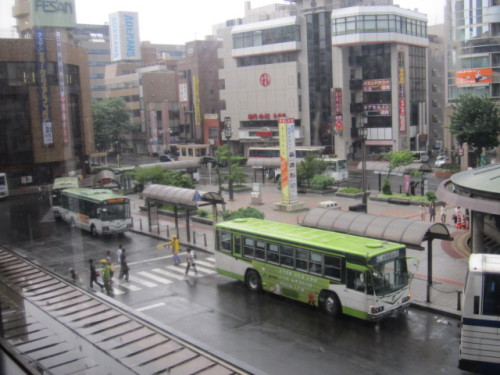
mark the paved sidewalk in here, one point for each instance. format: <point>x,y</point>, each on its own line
<point>449,258</point>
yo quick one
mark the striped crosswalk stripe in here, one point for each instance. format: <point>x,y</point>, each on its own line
<point>142,282</point>
<point>130,287</point>
<point>204,270</point>
<point>169,274</point>
<point>207,264</point>
<point>154,277</point>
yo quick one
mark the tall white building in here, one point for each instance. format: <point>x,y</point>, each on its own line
<point>319,62</point>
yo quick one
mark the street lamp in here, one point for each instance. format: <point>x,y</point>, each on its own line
<point>228,133</point>
<point>363,133</point>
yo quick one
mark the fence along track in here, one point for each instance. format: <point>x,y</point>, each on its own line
<point>63,329</point>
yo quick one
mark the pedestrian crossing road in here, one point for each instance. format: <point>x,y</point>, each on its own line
<point>157,276</point>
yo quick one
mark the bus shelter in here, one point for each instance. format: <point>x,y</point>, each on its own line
<point>188,199</point>
<point>106,179</point>
<point>412,233</point>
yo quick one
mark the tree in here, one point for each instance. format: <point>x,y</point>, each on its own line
<point>236,174</point>
<point>308,168</point>
<point>395,159</point>
<point>475,121</point>
<point>243,213</point>
<point>111,123</point>
<point>158,175</point>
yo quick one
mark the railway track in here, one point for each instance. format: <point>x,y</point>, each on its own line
<point>60,328</point>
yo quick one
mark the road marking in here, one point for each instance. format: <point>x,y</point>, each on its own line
<point>116,291</point>
<point>169,274</point>
<point>155,278</point>
<point>143,282</point>
<point>210,265</point>
<point>132,288</point>
<point>151,306</point>
<point>205,270</point>
<point>151,260</point>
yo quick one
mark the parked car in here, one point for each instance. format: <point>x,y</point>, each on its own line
<point>210,160</point>
<point>440,160</point>
<point>166,158</point>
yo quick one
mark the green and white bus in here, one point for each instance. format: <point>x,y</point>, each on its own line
<point>99,211</point>
<point>337,272</point>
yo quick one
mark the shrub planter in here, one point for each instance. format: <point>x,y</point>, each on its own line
<point>443,174</point>
<point>202,220</point>
<point>321,191</point>
<point>352,195</point>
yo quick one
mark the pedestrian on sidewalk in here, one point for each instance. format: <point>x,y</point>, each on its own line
<point>422,212</point>
<point>119,253</point>
<point>174,244</point>
<point>190,261</point>
<point>123,266</point>
<point>106,277</point>
<point>93,275</point>
<point>110,263</point>
<point>443,213</point>
<point>432,212</point>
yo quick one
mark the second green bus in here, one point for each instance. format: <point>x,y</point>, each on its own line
<point>340,273</point>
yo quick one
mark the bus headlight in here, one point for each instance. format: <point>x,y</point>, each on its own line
<point>406,299</point>
<point>375,310</point>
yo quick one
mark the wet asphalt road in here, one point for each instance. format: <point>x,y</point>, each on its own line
<point>274,335</point>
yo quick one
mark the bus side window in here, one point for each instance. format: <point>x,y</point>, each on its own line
<point>333,266</point>
<point>286,256</point>
<point>237,245</point>
<point>301,257</point>
<point>260,250</point>
<point>248,247</point>
<point>491,296</point>
<point>272,253</point>
<point>315,265</point>
<point>225,241</point>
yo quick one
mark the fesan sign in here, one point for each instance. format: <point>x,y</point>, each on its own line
<point>54,13</point>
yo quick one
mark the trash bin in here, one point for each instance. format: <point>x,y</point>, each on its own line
<point>361,207</point>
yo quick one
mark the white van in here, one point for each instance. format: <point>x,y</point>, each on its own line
<point>440,160</point>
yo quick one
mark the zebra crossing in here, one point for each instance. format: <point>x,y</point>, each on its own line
<point>160,276</point>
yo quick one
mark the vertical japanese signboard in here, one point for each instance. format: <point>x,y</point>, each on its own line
<point>62,88</point>
<point>288,162</point>
<point>197,109</point>
<point>43,86</point>
<point>401,92</point>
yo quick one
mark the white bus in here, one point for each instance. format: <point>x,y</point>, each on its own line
<point>4,186</point>
<point>268,157</point>
<point>99,211</point>
<point>480,336</point>
<point>61,183</point>
<point>336,168</point>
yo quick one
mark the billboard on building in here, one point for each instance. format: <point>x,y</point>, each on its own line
<point>43,86</point>
<point>288,162</point>
<point>377,85</point>
<point>124,36</point>
<point>379,109</point>
<point>53,13</point>
<point>473,76</point>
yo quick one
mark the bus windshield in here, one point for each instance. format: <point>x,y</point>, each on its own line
<point>388,277</point>
<point>114,212</point>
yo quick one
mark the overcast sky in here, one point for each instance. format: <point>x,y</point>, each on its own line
<point>177,22</point>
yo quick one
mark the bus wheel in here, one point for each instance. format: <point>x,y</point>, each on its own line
<point>253,281</point>
<point>72,224</point>
<point>330,303</point>
<point>93,231</point>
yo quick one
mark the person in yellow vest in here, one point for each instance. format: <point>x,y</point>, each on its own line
<point>174,243</point>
